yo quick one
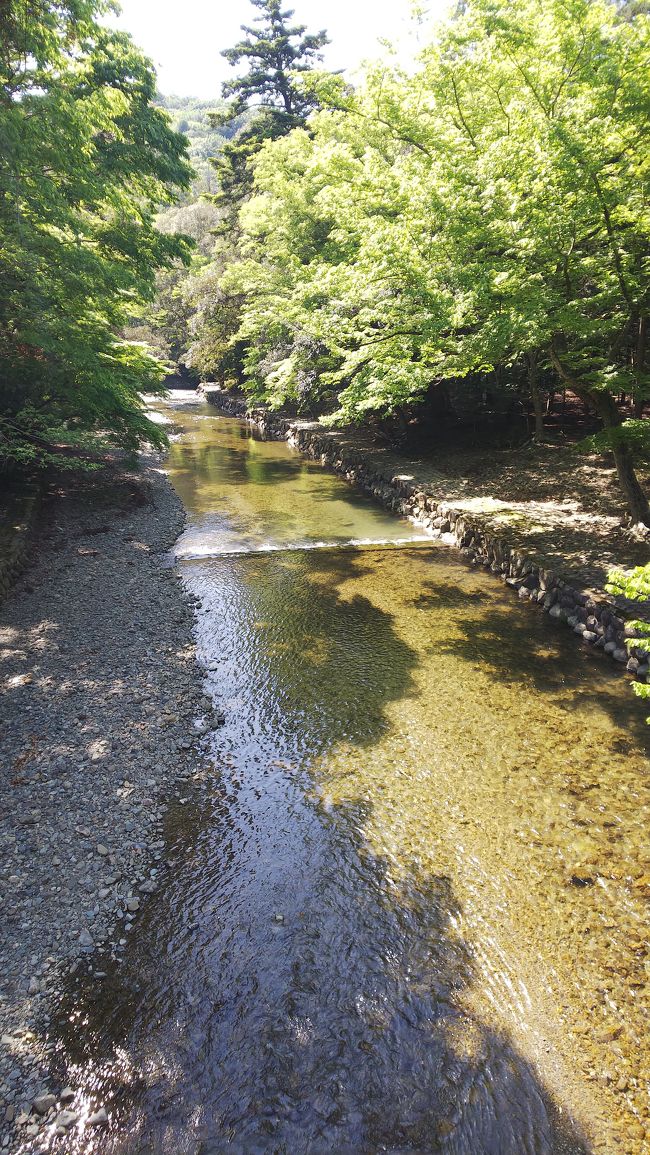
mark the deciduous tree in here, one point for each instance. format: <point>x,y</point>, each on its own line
<point>85,161</point>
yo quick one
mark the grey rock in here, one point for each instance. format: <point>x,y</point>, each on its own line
<point>43,1103</point>
<point>98,1118</point>
<point>65,1119</point>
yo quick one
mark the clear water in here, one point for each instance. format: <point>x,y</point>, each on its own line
<point>407,910</point>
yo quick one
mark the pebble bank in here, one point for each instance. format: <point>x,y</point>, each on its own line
<point>101,718</point>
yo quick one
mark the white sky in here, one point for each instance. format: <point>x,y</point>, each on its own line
<point>184,37</point>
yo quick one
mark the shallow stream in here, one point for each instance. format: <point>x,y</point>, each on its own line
<point>408,906</point>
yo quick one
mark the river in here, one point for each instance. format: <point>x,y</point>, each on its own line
<point>407,910</point>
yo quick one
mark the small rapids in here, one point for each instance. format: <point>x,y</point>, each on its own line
<point>185,553</point>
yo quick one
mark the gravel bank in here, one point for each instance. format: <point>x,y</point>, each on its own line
<point>99,700</point>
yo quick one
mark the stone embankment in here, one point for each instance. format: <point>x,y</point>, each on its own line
<point>100,700</point>
<point>597,619</point>
<point>17,522</point>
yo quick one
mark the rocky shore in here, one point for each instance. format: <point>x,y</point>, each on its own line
<point>100,718</point>
<point>516,554</point>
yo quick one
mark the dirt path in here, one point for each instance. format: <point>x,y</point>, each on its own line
<point>563,507</point>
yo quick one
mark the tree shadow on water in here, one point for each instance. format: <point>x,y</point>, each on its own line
<point>323,658</point>
<point>342,1030</point>
<point>517,643</point>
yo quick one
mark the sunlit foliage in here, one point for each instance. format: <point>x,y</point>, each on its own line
<point>85,162</point>
<point>489,210</point>
<point>636,587</point>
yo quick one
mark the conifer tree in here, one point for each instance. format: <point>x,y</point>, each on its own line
<point>274,50</point>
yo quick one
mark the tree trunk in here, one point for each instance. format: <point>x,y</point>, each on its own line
<point>636,498</point>
<point>639,366</point>
<point>535,396</point>
<point>607,410</point>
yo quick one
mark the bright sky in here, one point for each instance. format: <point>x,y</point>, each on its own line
<point>184,37</point>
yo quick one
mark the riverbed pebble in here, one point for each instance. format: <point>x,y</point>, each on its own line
<point>65,1119</point>
<point>43,1103</point>
<point>98,1118</point>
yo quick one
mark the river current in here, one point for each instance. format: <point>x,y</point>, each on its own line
<point>408,905</point>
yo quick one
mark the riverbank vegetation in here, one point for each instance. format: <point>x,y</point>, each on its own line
<point>464,239</point>
<point>86,160</point>
<point>635,585</point>
<point>475,227</point>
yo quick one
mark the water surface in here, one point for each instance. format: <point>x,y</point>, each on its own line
<point>407,906</point>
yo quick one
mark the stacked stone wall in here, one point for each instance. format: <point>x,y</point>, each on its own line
<point>15,536</point>
<point>595,618</point>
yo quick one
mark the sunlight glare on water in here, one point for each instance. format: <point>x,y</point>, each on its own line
<point>407,912</point>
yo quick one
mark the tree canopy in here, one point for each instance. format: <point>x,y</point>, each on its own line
<point>275,53</point>
<point>86,159</point>
<point>487,212</point>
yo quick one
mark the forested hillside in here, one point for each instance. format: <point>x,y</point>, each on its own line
<point>192,118</point>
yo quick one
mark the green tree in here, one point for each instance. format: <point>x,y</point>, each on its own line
<point>85,161</point>
<point>487,213</point>
<point>552,105</point>
<point>269,101</point>
<point>635,586</point>
<point>275,52</point>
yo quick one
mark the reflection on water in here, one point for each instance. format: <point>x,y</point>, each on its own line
<point>408,913</point>
<point>248,494</point>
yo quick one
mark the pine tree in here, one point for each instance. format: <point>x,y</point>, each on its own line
<point>274,51</point>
